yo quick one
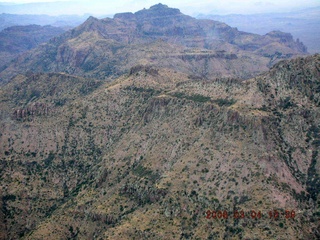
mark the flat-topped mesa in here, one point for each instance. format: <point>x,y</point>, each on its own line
<point>287,38</point>
<point>159,5</point>
<point>158,10</point>
<point>282,36</point>
<point>125,16</point>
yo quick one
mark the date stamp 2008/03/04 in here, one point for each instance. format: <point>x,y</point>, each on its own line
<point>253,214</point>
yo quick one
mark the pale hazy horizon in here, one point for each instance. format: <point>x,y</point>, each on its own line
<point>191,7</point>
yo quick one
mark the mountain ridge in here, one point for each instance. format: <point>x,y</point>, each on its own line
<point>302,24</point>
<point>66,22</point>
<point>95,47</point>
<point>19,39</point>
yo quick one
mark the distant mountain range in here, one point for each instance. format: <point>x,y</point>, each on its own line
<point>303,24</point>
<point>18,39</point>
<point>108,47</point>
<point>67,21</point>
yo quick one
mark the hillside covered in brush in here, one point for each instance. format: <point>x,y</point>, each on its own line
<point>149,126</point>
<point>147,155</point>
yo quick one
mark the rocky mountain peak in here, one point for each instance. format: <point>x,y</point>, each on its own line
<point>91,20</point>
<point>91,24</point>
<point>284,37</point>
<point>160,10</point>
<point>157,13</point>
<point>159,6</point>
<point>124,16</point>
<point>287,38</point>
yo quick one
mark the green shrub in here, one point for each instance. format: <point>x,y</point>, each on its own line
<point>224,102</point>
<point>9,198</point>
<point>194,97</point>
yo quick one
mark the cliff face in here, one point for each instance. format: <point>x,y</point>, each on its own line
<point>147,155</point>
<point>107,48</point>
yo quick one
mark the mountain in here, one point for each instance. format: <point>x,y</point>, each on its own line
<point>19,39</point>
<point>303,24</point>
<point>158,139</point>
<point>160,36</point>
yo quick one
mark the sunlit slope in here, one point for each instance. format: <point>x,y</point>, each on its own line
<point>147,155</point>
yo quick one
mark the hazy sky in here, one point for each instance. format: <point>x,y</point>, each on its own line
<point>192,7</point>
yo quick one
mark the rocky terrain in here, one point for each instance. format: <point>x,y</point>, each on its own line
<point>147,155</point>
<point>154,152</point>
<point>159,36</point>
<point>19,39</point>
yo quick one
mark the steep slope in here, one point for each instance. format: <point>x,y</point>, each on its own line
<point>18,39</point>
<point>107,48</point>
<point>147,155</point>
